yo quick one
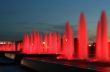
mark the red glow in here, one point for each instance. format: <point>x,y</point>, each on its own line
<point>19,46</point>
<point>102,42</point>
<point>34,43</point>
<point>98,42</point>
<point>51,43</point>
<point>54,48</point>
<point>58,43</point>
<point>68,44</point>
<point>104,25</point>
<point>26,43</point>
<point>40,45</point>
<point>8,47</point>
<point>45,43</point>
<point>82,38</point>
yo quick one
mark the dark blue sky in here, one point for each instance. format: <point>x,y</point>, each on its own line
<point>19,16</point>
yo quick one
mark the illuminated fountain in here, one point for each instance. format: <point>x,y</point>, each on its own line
<point>37,42</point>
<point>33,43</point>
<point>58,43</point>
<point>104,35</point>
<point>29,44</point>
<point>7,46</point>
<point>68,44</point>
<point>26,44</point>
<point>82,38</point>
<point>50,50</point>
<point>19,46</point>
<point>66,47</point>
<point>98,42</point>
<point>52,44</point>
<point>40,45</point>
<point>102,49</point>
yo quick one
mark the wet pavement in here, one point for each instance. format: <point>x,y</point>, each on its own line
<point>8,65</point>
<point>93,66</point>
<point>51,63</point>
<point>54,65</point>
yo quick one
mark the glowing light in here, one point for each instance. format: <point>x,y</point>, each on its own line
<point>32,44</point>
<point>89,45</point>
<point>26,43</point>
<point>102,50</point>
<point>7,46</point>
<point>82,38</point>
<point>43,42</point>
<point>52,44</point>
<point>66,40</point>
<point>68,44</point>
<point>98,42</point>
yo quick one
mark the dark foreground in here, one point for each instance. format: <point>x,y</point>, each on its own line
<point>8,65</point>
<point>36,65</point>
<point>48,63</point>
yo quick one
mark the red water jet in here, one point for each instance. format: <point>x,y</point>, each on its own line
<point>26,44</point>
<point>98,42</point>
<point>58,43</point>
<point>82,38</point>
<point>68,43</point>
<point>104,37</point>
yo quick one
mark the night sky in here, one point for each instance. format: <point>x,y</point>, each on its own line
<point>19,16</point>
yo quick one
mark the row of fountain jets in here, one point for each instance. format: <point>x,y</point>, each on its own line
<point>53,43</point>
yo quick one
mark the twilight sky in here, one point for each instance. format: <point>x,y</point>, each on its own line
<point>19,16</point>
